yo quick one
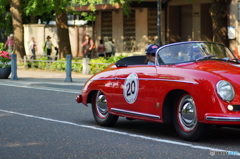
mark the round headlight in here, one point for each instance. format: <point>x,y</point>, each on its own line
<point>225,90</point>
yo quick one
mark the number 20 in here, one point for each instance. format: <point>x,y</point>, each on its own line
<point>131,88</point>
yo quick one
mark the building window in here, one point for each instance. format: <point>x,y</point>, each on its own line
<point>107,24</point>
<point>129,32</point>
<point>152,25</point>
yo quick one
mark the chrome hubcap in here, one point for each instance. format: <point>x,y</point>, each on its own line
<point>101,105</point>
<point>187,113</point>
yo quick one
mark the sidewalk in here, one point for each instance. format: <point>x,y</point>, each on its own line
<point>31,76</point>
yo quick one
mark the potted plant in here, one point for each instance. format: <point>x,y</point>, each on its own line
<point>5,64</point>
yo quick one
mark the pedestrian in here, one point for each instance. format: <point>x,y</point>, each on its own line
<point>10,44</point>
<point>33,48</point>
<point>48,46</point>
<point>101,49</point>
<point>150,54</point>
<point>88,46</point>
<point>113,49</point>
<point>56,49</point>
<point>109,47</point>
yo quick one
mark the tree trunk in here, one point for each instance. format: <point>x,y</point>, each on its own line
<point>63,33</point>
<point>219,12</point>
<point>16,12</point>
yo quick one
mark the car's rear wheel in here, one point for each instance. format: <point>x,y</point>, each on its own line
<point>100,110</point>
<point>186,121</point>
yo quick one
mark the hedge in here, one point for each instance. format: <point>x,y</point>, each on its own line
<point>96,65</point>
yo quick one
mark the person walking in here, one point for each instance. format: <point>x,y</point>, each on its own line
<point>113,49</point>
<point>101,49</point>
<point>10,44</point>
<point>48,46</point>
<point>88,46</point>
<point>109,47</point>
<point>33,48</point>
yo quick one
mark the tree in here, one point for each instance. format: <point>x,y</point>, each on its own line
<point>62,29</point>
<point>218,12</point>
<point>124,3</point>
<point>16,12</point>
<point>6,21</point>
<point>59,8</point>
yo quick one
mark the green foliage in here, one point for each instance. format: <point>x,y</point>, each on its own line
<point>6,21</point>
<point>91,3</point>
<point>88,16</point>
<point>41,64</point>
<point>77,65</point>
<point>100,63</point>
<point>40,7</point>
<point>59,65</point>
<point>1,46</point>
<point>115,58</point>
<point>96,65</point>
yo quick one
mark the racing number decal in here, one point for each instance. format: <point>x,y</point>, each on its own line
<point>130,89</point>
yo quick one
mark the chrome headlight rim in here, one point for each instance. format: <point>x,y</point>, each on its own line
<point>221,86</point>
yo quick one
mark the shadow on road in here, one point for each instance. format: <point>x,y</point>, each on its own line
<point>214,136</point>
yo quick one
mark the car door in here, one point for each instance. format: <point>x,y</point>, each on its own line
<point>134,91</point>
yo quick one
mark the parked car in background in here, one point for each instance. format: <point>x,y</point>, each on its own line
<point>192,85</point>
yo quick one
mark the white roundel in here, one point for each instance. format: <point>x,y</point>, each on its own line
<point>130,89</point>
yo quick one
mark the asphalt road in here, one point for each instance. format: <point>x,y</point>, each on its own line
<point>44,121</point>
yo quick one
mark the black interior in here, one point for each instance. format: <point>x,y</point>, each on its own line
<point>131,60</point>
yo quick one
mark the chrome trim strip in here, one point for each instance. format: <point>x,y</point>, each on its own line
<point>135,113</point>
<point>181,81</point>
<point>149,79</point>
<point>214,118</point>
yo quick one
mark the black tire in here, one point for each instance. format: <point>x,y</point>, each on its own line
<point>186,121</point>
<point>100,110</point>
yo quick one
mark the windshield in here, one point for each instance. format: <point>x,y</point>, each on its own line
<point>192,51</point>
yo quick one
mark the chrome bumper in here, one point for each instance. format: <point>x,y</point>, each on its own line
<point>215,118</point>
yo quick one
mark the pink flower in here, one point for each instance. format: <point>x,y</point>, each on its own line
<point>5,58</point>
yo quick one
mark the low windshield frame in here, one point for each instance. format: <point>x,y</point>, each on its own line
<point>193,51</point>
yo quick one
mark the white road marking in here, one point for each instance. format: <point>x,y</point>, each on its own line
<point>124,133</point>
<point>43,88</point>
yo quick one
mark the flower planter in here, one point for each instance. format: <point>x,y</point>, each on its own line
<point>5,72</point>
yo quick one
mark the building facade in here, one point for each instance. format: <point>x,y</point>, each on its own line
<point>180,20</point>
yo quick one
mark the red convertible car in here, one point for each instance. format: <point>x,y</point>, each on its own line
<point>192,85</point>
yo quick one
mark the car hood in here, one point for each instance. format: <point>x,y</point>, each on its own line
<point>224,69</point>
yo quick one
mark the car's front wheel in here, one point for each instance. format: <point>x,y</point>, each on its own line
<point>100,110</point>
<point>186,121</point>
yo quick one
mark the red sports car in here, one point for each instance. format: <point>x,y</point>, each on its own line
<point>192,85</point>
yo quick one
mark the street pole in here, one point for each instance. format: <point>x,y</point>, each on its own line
<point>159,8</point>
<point>68,68</point>
<point>14,67</point>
